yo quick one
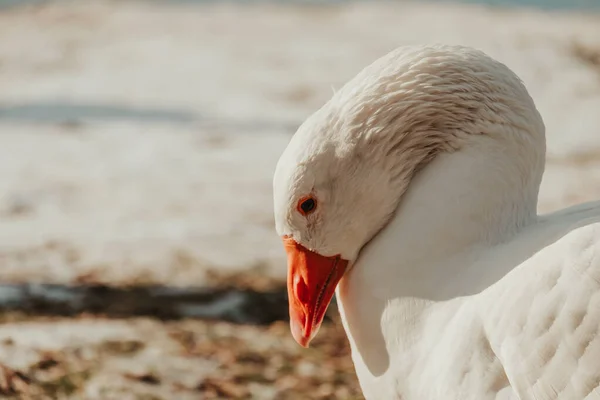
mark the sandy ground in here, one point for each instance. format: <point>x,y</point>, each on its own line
<point>134,134</point>
<point>138,141</point>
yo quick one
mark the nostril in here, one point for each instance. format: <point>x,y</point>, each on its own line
<point>301,290</point>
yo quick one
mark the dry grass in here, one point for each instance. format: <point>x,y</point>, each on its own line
<point>268,360</point>
<point>248,363</point>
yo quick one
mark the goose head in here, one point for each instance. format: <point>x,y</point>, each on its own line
<point>343,174</point>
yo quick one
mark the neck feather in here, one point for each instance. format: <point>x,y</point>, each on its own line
<point>455,208</point>
<point>473,198</point>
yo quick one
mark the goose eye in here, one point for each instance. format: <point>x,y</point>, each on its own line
<point>307,205</point>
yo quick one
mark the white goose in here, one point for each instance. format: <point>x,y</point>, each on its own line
<point>413,191</point>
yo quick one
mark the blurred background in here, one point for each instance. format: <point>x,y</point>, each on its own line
<point>138,256</point>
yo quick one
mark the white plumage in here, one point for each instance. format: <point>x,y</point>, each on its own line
<point>425,171</point>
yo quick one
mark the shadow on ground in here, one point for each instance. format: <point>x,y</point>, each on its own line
<point>240,306</point>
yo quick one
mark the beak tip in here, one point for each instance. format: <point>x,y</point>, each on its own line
<point>304,342</point>
<point>298,334</point>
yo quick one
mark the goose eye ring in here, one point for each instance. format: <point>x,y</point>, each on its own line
<point>307,205</point>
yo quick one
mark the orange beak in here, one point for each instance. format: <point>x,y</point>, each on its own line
<point>312,279</point>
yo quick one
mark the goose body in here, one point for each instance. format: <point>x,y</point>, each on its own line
<point>413,195</point>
